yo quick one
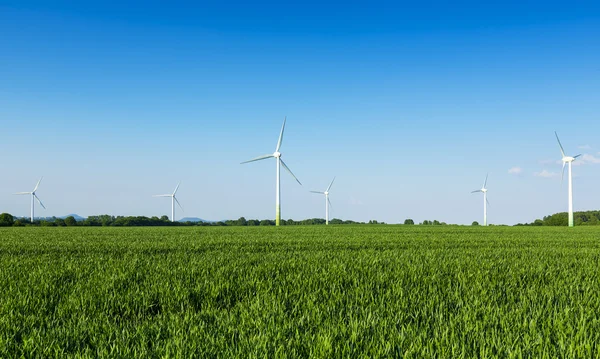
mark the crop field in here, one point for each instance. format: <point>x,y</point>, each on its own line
<point>341,291</point>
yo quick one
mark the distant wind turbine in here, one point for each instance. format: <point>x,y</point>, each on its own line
<point>34,196</point>
<point>173,200</point>
<point>567,159</point>
<point>277,156</point>
<point>485,200</point>
<point>327,201</point>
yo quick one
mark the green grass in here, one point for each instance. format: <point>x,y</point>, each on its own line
<point>365,291</point>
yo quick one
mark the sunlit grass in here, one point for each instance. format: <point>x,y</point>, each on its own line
<point>365,291</point>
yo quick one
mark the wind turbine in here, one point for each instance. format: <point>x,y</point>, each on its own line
<point>277,156</point>
<point>327,201</point>
<point>34,196</point>
<point>485,200</point>
<point>173,200</point>
<point>567,159</point>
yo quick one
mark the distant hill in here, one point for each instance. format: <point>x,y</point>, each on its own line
<point>76,216</point>
<point>193,219</point>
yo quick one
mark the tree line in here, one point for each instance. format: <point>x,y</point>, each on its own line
<point>8,220</point>
<point>583,218</point>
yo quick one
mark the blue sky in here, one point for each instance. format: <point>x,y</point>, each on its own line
<point>408,105</point>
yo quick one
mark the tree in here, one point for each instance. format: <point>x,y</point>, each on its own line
<point>59,222</point>
<point>242,222</point>
<point>475,223</point>
<point>70,221</point>
<point>164,218</point>
<point>436,222</point>
<point>409,221</point>
<point>6,220</point>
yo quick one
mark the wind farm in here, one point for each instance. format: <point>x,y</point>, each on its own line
<point>380,241</point>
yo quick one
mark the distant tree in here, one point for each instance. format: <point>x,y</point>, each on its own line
<point>70,221</point>
<point>47,224</point>
<point>436,222</point>
<point>18,223</point>
<point>242,222</point>
<point>538,222</point>
<point>6,220</point>
<point>475,223</point>
<point>165,218</point>
<point>409,221</point>
<point>265,222</point>
<point>60,222</point>
<point>253,222</point>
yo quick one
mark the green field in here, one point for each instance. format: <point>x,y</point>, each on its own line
<point>364,291</point>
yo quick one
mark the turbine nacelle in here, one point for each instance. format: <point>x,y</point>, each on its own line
<point>484,190</point>
<point>277,154</point>
<point>568,159</point>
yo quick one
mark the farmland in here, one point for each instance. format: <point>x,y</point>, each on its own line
<point>294,291</point>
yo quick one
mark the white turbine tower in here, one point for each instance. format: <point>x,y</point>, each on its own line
<point>173,200</point>
<point>567,159</point>
<point>327,201</point>
<point>34,196</point>
<point>485,200</point>
<point>277,156</point>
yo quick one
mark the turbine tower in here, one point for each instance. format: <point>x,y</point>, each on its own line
<point>327,201</point>
<point>277,156</point>
<point>567,159</point>
<point>173,200</point>
<point>485,200</point>
<point>34,196</point>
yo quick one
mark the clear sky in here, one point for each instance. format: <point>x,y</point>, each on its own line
<point>408,104</point>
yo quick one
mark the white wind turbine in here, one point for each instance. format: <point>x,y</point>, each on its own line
<point>277,156</point>
<point>567,159</point>
<point>327,201</point>
<point>485,200</point>
<point>34,196</point>
<point>173,200</point>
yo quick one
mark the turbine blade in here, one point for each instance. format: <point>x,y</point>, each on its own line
<point>162,195</point>
<point>563,173</point>
<point>486,200</point>
<point>39,201</point>
<point>23,193</point>
<point>328,200</point>
<point>176,188</point>
<point>179,204</point>
<point>486,178</point>
<point>290,171</point>
<point>317,192</point>
<point>37,185</point>
<point>328,188</point>
<point>258,159</point>
<point>476,191</point>
<point>281,135</point>
<point>577,156</point>
<point>560,144</point>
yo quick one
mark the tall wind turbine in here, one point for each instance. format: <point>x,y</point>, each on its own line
<point>567,159</point>
<point>327,201</point>
<point>277,156</point>
<point>173,200</point>
<point>485,200</point>
<point>34,196</point>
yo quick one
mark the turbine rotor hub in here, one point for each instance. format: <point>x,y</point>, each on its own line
<point>277,154</point>
<point>568,159</point>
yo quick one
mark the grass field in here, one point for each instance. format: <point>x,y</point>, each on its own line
<point>366,291</point>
